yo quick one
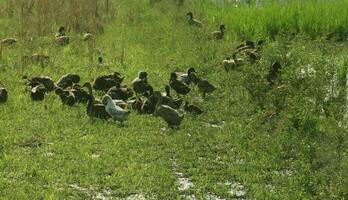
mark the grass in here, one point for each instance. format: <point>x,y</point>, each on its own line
<point>49,151</point>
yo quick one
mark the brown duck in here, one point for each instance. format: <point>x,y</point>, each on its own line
<point>105,82</point>
<point>66,80</point>
<point>171,116</point>
<point>140,84</point>
<point>219,35</point>
<point>179,87</point>
<point>95,109</point>
<point>193,109</point>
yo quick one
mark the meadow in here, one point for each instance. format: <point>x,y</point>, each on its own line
<point>253,141</point>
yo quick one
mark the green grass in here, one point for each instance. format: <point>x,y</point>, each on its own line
<point>50,151</point>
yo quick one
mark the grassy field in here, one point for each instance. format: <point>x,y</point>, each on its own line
<point>253,141</point>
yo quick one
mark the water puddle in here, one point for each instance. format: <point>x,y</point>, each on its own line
<point>105,194</point>
<point>184,182</point>
<point>236,189</point>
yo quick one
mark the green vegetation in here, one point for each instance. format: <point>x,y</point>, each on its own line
<point>283,142</point>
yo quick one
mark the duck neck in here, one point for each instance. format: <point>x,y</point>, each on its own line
<point>159,102</point>
<point>167,92</point>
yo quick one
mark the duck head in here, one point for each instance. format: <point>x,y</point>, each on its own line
<point>173,76</point>
<point>61,30</point>
<point>167,88</point>
<point>250,43</point>
<point>222,28</point>
<point>190,70</point>
<point>100,60</point>
<point>142,75</point>
<point>189,15</point>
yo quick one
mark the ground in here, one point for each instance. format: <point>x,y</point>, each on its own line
<point>253,141</point>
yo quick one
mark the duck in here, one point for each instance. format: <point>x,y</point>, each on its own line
<point>167,99</point>
<point>193,109</point>
<point>38,92</point>
<point>120,92</point>
<point>67,96</point>
<point>8,42</point>
<point>248,44</point>
<point>185,77</point>
<point>68,79</point>
<point>136,104</point>
<point>95,108</point>
<point>140,84</point>
<point>39,58</point>
<point>61,38</point>
<point>3,94</point>
<point>219,35</point>
<point>179,87</point>
<point>115,111</point>
<point>101,62</point>
<point>88,85</point>
<point>192,21</point>
<point>87,36</point>
<point>229,64</point>
<point>80,94</point>
<point>105,82</point>
<point>274,73</point>
<point>171,116</point>
<point>149,104</point>
<point>252,54</point>
<point>204,86</point>
<point>44,80</point>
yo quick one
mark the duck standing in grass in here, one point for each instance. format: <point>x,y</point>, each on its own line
<point>3,94</point>
<point>179,87</point>
<point>170,101</point>
<point>105,82</point>
<point>87,36</point>
<point>67,79</point>
<point>95,109</point>
<point>44,80</point>
<point>80,94</point>
<point>219,35</point>
<point>193,109</point>
<point>204,86</point>
<point>38,92</point>
<point>67,96</point>
<point>7,42</point>
<point>116,112</point>
<point>168,114</point>
<point>149,104</point>
<point>61,38</point>
<point>140,84</point>
<point>274,73</point>
<point>192,21</point>
<point>120,92</point>
<point>185,77</point>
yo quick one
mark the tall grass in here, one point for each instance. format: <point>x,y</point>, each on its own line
<point>40,17</point>
<point>313,18</point>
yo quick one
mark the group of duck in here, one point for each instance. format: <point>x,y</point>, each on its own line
<point>118,100</point>
<point>218,35</point>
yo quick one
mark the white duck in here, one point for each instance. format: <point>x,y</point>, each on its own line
<point>116,112</point>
